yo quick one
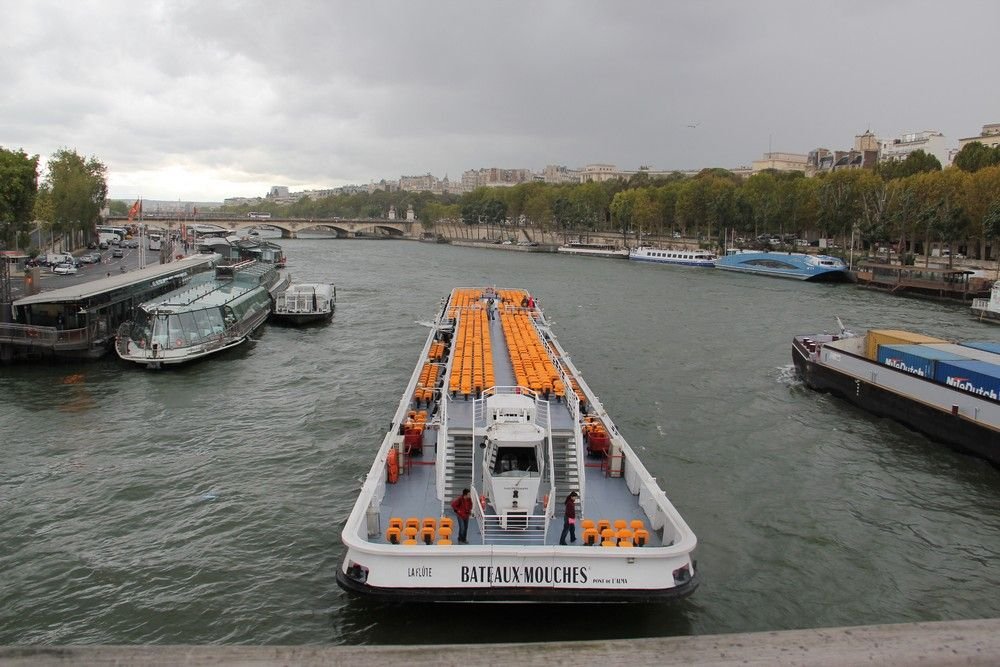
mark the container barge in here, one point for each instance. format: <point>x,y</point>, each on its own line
<point>496,407</point>
<point>945,390</point>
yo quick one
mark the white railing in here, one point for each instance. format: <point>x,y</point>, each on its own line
<point>301,303</point>
<point>519,530</point>
<point>981,304</point>
<point>441,451</point>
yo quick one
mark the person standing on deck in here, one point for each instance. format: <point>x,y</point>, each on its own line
<point>462,505</point>
<point>569,519</point>
<point>489,308</point>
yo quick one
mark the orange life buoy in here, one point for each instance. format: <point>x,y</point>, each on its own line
<point>392,463</point>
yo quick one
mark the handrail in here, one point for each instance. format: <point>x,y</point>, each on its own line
<point>441,451</point>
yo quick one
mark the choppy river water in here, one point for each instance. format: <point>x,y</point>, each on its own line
<point>204,504</point>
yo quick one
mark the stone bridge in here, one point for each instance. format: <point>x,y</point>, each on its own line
<point>290,227</point>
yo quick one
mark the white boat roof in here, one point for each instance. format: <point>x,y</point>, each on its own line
<point>116,281</point>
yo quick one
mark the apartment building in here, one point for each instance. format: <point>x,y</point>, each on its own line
<point>929,141</point>
<point>989,137</point>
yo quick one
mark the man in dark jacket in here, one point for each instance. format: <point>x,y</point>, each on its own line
<point>569,519</point>
<point>462,505</point>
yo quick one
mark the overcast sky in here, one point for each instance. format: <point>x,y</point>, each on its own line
<point>204,100</point>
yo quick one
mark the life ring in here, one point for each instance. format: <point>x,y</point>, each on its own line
<point>392,464</point>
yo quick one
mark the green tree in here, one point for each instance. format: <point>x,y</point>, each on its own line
<point>991,228</point>
<point>18,191</point>
<point>975,156</point>
<point>77,188</point>
<point>915,163</point>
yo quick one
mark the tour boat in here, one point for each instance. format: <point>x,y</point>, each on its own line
<point>212,313</point>
<point>950,392</point>
<point>496,406</point>
<point>670,256</point>
<point>988,310</point>
<point>304,303</point>
<point>594,250</point>
<point>795,265</point>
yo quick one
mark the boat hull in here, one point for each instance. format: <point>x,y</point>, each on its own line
<point>937,424</point>
<point>301,319</point>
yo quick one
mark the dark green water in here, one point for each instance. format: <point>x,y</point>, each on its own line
<point>204,504</point>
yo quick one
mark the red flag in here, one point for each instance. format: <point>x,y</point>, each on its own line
<point>135,210</point>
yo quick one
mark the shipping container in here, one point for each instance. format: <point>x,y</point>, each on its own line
<point>916,360</point>
<point>985,345</point>
<point>967,352</point>
<point>878,337</point>
<point>975,377</point>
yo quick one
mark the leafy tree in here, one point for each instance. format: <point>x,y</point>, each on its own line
<point>916,162</point>
<point>991,226</point>
<point>975,156</point>
<point>78,189</point>
<point>983,190</point>
<point>18,191</point>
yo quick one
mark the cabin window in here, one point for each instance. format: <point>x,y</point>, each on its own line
<point>515,462</point>
<point>190,327</point>
<point>203,323</point>
<point>175,334</point>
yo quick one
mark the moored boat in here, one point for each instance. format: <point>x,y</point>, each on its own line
<point>988,310</point>
<point>947,391</point>
<point>682,257</point>
<point>608,250</point>
<point>210,314</point>
<point>496,407</point>
<point>304,303</point>
<point>795,265</point>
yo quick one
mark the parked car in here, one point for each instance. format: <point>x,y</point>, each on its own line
<point>103,245</point>
<point>130,243</point>
<point>64,269</point>
<point>117,252</point>
<point>90,258</point>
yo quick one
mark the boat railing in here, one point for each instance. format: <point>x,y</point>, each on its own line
<point>28,334</point>
<point>519,529</point>
<point>981,304</point>
<point>441,451</point>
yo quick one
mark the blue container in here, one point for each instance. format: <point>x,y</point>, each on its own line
<point>975,377</point>
<point>916,360</point>
<point>967,351</point>
<point>985,345</point>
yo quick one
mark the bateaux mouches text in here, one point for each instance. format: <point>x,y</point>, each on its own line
<point>514,575</point>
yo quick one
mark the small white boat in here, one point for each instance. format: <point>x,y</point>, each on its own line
<point>988,310</point>
<point>683,257</point>
<point>594,250</point>
<point>303,303</point>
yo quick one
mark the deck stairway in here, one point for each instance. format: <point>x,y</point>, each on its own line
<point>568,470</point>
<point>458,463</point>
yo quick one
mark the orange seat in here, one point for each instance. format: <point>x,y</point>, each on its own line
<point>396,522</point>
<point>602,524</point>
<point>608,534</point>
<point>637,524</point>
<point>444,532</point>
<point>590,537</point>
<point>445,522</point>
<point>427,535</point>
<point>444,542</point>
<point>587,523</point>
<point>412,521</point>
<point>410,543</point>
<point>410,532</point>
<point>430,522</point>
<point>620,523</point>
<point>641,537</point>
<point>626,543</point>
<point>392,535</point>
<point>609,543</point>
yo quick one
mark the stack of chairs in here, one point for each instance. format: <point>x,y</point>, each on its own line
<point>426,384</point>
<point>621,533</point>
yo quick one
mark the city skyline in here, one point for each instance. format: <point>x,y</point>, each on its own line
<point>204,103</point>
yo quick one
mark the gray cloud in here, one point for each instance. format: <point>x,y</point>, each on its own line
<point>207,100</point>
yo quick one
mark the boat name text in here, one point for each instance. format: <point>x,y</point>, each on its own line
<point>503,574</point>
<point>424,571</point>
<point>901,365</point>
<point>965,385</point>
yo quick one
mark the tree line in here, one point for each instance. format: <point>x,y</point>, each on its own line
<point>67,202</point>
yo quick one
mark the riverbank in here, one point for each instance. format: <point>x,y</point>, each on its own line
<point>974,642</point>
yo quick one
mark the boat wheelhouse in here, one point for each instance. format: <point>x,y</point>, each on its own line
<point>795,265</point>
<point>304,303</point>
<point>682,257</point>
<point>210,314</point>
<point>608,250</point>
<point>496,406</point>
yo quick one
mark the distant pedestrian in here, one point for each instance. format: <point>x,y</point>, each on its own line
<point>524,301</point>
<point>569,519</point>
<point>462,506</point>
<point>60,321</point>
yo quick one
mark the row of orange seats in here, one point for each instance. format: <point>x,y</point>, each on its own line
<point>533,368</point>
<point>593,426</point>
<point>472,365</point>
<point>463,299</point>
<point>574,385</point>
<point>426,383</point>
<point>620,534</point>
<point>416,420</point>
<point>413,529</point>
<point>436,353</point>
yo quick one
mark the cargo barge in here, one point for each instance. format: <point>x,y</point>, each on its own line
<point>496,407</point>
<point>947,391</point>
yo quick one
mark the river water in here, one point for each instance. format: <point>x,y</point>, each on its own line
<point>204,504</point>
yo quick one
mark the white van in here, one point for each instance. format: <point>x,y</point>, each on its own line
<point>54,258</point>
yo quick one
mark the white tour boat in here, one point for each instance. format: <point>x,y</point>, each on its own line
<point>496,406</point>
<point>670,256</point>
<point>988,310</point>
<point>594,250</point>
<point>210,314</point>
<point>305,303</point>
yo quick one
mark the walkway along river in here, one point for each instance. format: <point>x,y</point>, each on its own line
<point>204,504</point>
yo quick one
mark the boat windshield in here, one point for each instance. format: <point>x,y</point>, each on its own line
<point>515,462</point>
<point>176,330</point>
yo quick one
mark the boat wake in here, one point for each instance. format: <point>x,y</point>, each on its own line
<point>787,375</point>
<point>429,325</point>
